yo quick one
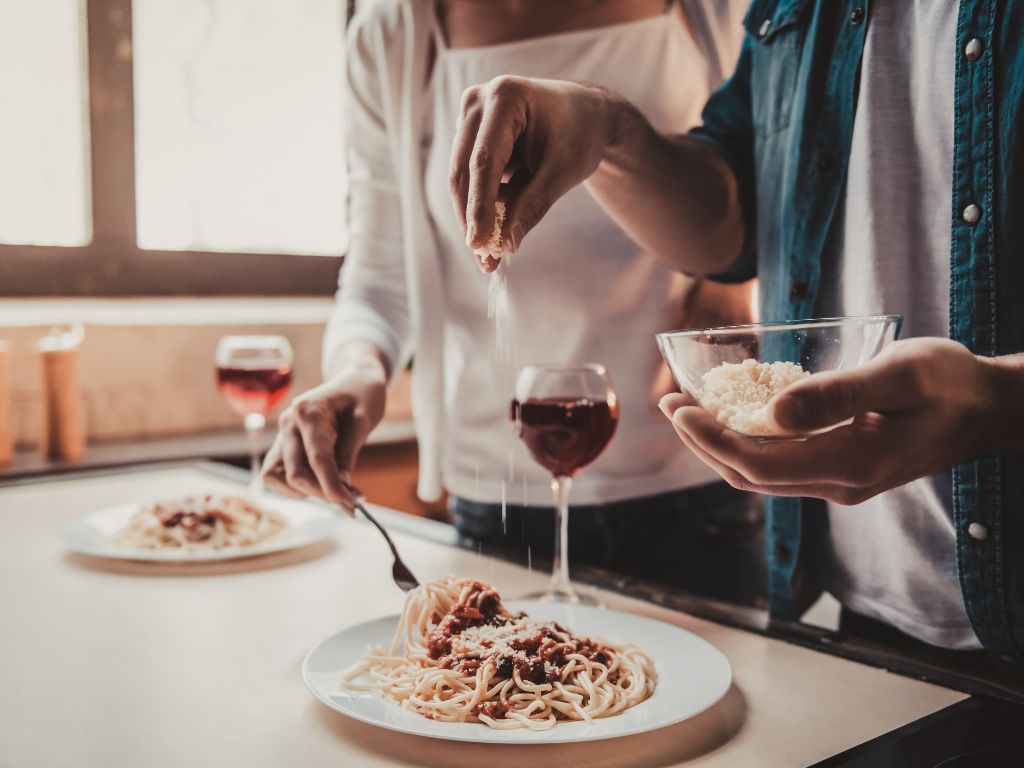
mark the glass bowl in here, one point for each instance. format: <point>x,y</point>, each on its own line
<point>736,354</point>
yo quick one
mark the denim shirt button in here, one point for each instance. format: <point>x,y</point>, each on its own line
<point>974,49</point>
<point>826,162</point>
<point>857,16</point>
<point>797,290</point>
<point>977,531</point>
<point>972,214</point>
<point>781,553</point>
<point>765,28</point>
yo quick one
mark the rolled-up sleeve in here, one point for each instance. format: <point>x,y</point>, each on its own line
<point>727,125</point>
<point>371,303</point>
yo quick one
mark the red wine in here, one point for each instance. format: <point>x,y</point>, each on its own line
<point>564,434</point>
<point>254,390</point>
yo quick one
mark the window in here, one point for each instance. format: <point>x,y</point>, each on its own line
<point>44,180</point>
<point>190,147</point>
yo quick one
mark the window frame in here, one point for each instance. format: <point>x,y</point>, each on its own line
<point>112,264</point>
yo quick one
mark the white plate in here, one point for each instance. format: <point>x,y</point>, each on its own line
<point>92,535</point>
<point>692,676</point>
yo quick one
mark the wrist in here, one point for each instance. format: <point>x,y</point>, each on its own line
<point>360,358</point>
<point>627,128</point>
<point>1004,383</point>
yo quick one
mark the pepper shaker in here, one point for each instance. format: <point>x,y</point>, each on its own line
<point>63,435</point>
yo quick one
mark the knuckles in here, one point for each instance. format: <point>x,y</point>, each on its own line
<point>480,160</point>
<point>304,409</point>
<point>532,210</point>
<point>455,178</point>
<point>504,89</point>
<point>309,410</point>
<point>320,457</point>
<point>361,421</point>
<point>470,99</point>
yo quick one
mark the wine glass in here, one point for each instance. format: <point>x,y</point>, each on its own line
<point>565,416</point>
<point>254,374</point>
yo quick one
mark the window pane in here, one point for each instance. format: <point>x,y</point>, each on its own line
<point>44,179</point>
<point>238,125</point>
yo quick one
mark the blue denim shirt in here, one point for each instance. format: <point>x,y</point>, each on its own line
<point>784,121</point>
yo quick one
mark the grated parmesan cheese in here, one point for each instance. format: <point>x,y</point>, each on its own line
<point>493,247</point>
<point>489,641</point>
<point>737,394</point>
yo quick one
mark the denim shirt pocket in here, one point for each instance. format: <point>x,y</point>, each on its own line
<point>776,29</point>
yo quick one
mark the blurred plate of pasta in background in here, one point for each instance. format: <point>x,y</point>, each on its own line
<point>199,528</point>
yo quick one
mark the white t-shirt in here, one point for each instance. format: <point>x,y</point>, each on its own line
<point>579,290</point>
<point>893,557</point>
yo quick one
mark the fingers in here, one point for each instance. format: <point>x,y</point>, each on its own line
<point>673,401</point>
<point>462,148</point>
<point>301,461</point>
<point>528,205</point>
<point>824,458</point>
<point>819,401</point>
<point>832,458</point>
<point>350,443</point>
<point>297,471</point>
<point>273,471</point>
<point>731,476</point>
<point>823,490</point>
<point>502,121</point>
<point>491,120</point>
<point>315,422</point>
<point>487,263</point>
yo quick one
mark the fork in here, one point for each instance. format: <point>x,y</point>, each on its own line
<point>399,571</point>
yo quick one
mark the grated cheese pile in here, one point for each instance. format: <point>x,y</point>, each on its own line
<point>737,394</point>
<point>500,642</point>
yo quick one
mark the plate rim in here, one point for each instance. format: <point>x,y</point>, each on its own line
<point>506,736</point>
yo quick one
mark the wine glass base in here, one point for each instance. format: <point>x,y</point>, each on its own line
<point>574,597</point>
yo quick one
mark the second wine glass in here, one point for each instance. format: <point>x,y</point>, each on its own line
<point>254,374</point>
<point>566,416</point>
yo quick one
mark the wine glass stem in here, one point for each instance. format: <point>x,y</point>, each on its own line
<point>254,424</point>
<point>560,572</point>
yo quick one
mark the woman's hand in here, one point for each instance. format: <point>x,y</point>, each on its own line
<point>322,432</point>
<point>920,407</point>
<point>675,196</point>
<point>541,136</point>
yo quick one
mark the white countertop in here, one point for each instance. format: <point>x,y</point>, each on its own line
<point>115,664</point>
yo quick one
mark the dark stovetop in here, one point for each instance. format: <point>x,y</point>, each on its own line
<point>978,732</point>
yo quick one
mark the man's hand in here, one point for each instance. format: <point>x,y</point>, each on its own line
<point>542,137</point>
<point>322,432</point>
<point>920,407</point>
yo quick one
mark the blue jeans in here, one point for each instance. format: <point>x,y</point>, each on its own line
<point>708,540</point>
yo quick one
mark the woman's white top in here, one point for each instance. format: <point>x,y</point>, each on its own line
<point>579,290</point>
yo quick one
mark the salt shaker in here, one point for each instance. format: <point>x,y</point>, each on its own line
<point>63,435</point>
<point>6,416</point>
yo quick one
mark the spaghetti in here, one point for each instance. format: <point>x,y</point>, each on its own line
<point>459,656</point>
<point>199,522</point>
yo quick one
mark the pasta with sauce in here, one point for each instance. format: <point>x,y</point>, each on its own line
<point>199,522</point>
<point>459,656</point>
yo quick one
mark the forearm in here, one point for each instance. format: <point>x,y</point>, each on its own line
<point>1006,402</point>
<point>676,197</point>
